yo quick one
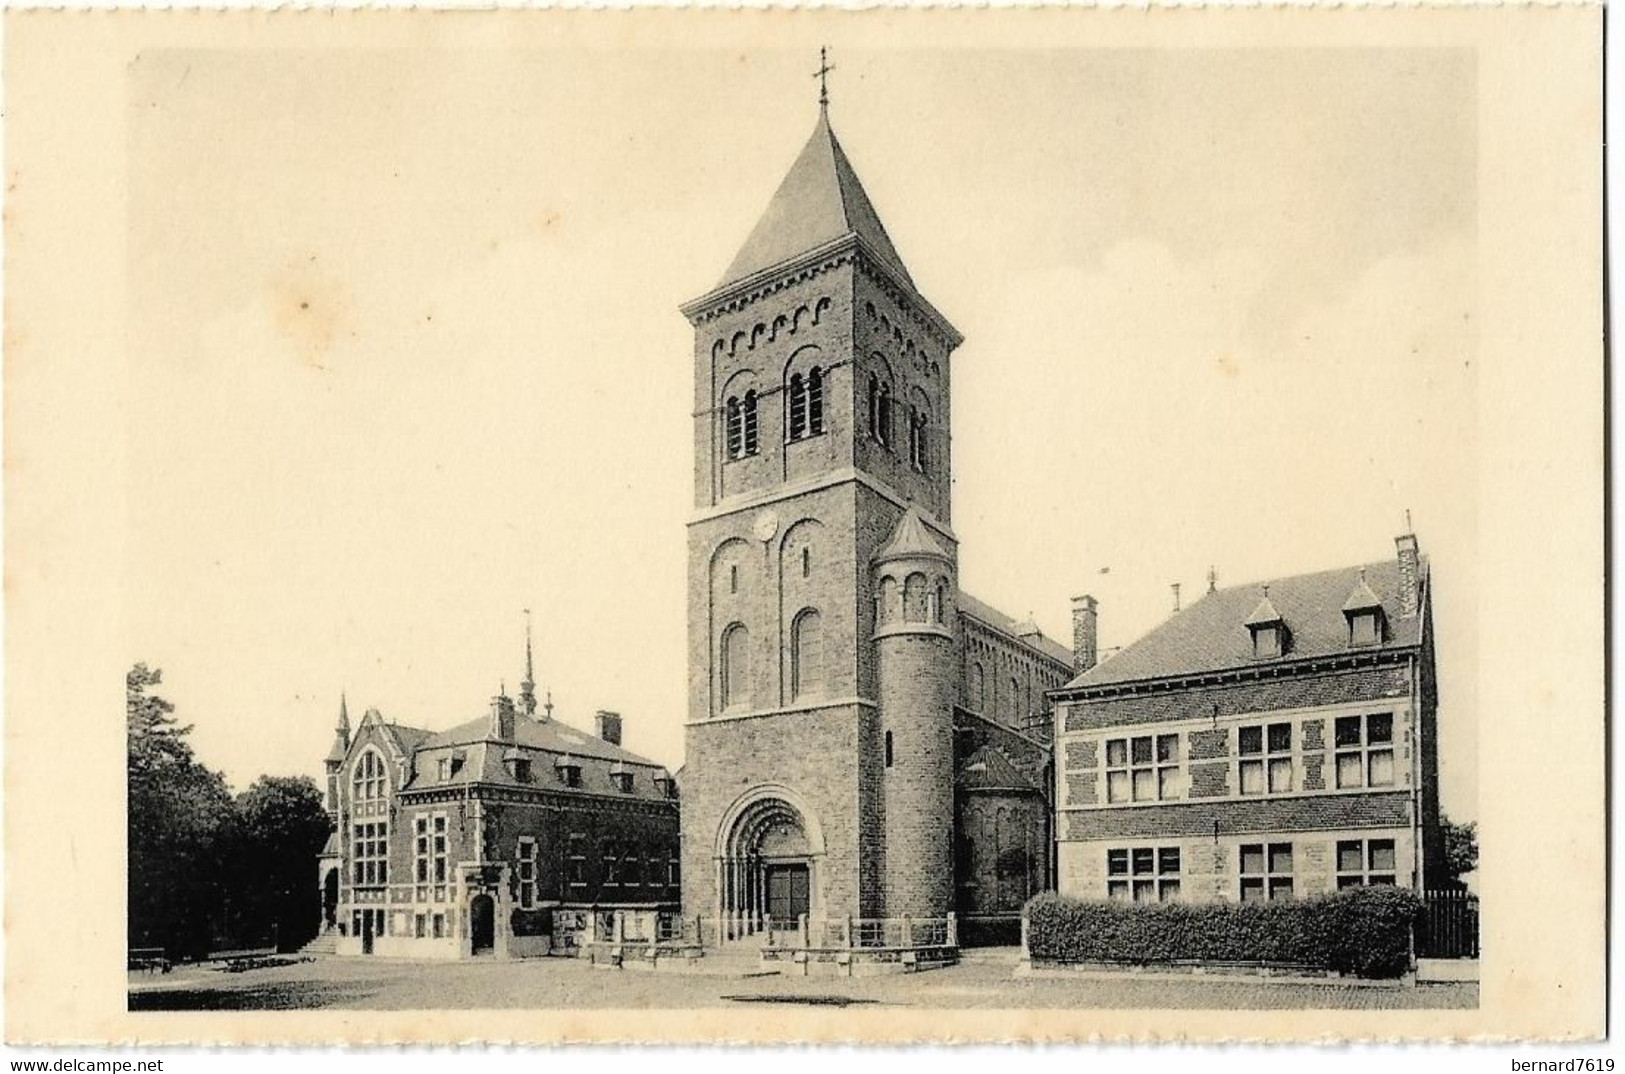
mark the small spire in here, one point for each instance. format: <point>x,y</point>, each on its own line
<point>344,715</point>
<point>527,688</point>
<point>547,707</point>
<point>1212,580</point>
<point>822,74</point>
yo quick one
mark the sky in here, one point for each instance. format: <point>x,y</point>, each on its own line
<point>404,342</point>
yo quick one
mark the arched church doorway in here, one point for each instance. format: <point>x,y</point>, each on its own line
<point>768,853</point>
<point>482,921</point>
<point>330,899</point>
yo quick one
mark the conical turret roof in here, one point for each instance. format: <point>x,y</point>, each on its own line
<point>819,201</point>
<point>911,538</point>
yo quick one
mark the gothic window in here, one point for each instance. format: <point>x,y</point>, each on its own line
<point>735,666</point>
<point>369,783</point>
<point>815,401</point>
<point>807,655</point>
<point>798,407</point>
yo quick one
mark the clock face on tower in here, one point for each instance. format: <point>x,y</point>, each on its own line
<point>765,526</point>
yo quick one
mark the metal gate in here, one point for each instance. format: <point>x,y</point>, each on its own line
<point>1449,926</point>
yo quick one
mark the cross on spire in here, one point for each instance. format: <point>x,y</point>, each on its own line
<point>822,74</point>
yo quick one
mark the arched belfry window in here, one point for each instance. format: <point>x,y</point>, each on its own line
<point>807,655</point>
<point>916,599</point>
<point>736,427</point>
<point>884,411</point>
<point>742,435</point>
<point>798,407</point>
<point>815,401</point>
<point>918,427</point>
<point>735,667</point>
<point>874,407</point>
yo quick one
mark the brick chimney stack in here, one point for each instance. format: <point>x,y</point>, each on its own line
<point>502,718</point>
<point>609,726</point>
<point>1410,575</point>
<point>1085,622</point>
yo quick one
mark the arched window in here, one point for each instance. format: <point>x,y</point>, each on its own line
<point>369,781</point>
<point>815,401</point>
<point>798,407</point>
<point>1015,698</point>
<point>884,410</point>
<point>806,561</point>
<point>886,601</point>
<point>874,407</point>
<point>917,430</point>
<point>749,423</point>
<point>942,600</point>
<point>916,599</point>
<point>807,655</point>
<point>736,428</point>
<point>977,689</point>
<point>735,666</point>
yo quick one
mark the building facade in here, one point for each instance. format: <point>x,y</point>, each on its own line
<point>504,835</point>
<point>1270,741</point>
<point>840,682</point>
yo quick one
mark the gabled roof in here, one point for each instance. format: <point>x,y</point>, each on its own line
<point>911,538</point>
<point>1211,634</point>
<point>1362,599</point>
<point>1265,612</point>
<point>819,201</point>
<point>1006,624</point>
<point>989,769</point>
<point>545,735</point>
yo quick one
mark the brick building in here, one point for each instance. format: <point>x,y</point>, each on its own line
<point>863,738</point>
<point>501,835</point>
<point>1269,741</point>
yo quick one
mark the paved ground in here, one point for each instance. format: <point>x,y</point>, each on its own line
<point>550,984</point>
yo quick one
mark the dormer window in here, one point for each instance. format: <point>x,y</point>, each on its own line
<point>443,769</point>
<point>457,760</point>
<point>569,770</point>
<point>518,765</point>
<point>665,786</point>
<point>1364,614</point>
<point>1268,630</point>
<point>621,776</point>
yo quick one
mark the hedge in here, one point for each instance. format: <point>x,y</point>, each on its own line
<point>1363,931</point>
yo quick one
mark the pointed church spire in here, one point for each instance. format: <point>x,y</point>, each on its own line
<point>344,716</point>
<point>527,688</point>
<point>341,734</point>
<point>819,202</point>
<point>822,74</point>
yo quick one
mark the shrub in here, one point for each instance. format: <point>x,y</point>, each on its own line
<point>1364,931</point>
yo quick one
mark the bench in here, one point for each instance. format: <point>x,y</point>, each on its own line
<point>149,960</point>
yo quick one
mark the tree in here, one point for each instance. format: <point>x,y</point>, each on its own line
<point>1460,847</point>
<point>179,819</point>
<point>283,825</point>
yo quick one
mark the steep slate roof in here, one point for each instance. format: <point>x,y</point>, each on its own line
<point>819,201</point>
<point>988,769</point>
<point>548,735</point>
<point>1008,625</point>
<point>1211,635</point>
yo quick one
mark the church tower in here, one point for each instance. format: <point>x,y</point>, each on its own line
<point>822,571</point>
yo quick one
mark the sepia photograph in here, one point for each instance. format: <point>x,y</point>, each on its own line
<point>833,525</point>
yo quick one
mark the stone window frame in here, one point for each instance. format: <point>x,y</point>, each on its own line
<point>1366,872</point>
<point>1155,764</point>
<point>369,855</point>
<point>742,426</point>
<point>611,856</point>
<point>631,867</point>
<point>674,867</point>
<point>1364,750</point>
<point>1160,878</point>
<point>431,856</point>
<point>1269,758</point>
<point>527,871</point>
<point>575,860</point>
<point>1269,877</point>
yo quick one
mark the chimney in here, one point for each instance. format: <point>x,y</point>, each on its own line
<point>1084,623</point>
<point>1410,575</point>
<point>609,726</point>
<point>502,718</point>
